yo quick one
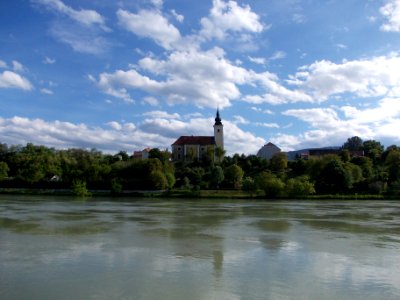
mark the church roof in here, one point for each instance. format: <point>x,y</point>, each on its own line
<point>270,145</point>
<point>194,140</point>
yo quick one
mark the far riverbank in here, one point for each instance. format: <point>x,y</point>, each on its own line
<point>201,194</point>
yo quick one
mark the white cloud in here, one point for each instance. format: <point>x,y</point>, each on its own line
<point>162,114</point>
<point>115,125</point>
<point>391,11</point>
<point>18,130</point>
<point>239,141</point>
<point>10,79</point>
<point>373,77</point>
<point>85,35</point>
<point>264,111</point>
<point>46,91</point>
<point>48,61</point>
<point>240,120</point>
<point>177,16</point>
<point>157,3</point>
<point>84,16</point>
<point>278,55</point>
<point>267,125</point>
<point>288,142</point>
<point>204,79</point>
<point>84,41</point>
<point>17,66</point>
<point>325,118</point>
<point>299,18</point>
<point>114,84</point>
<point>229,17</point>
<point>201,78</point>
<point>258,60</point>
<point>152,132</point>
<point>150,24</point>
<point>151,101</point>
<point>327,128</point>
<point>341,46</point>
<point>276,92</point>
<point>193,115</point>
<point>3,64</point>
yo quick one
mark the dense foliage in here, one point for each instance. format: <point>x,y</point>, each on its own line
<point>347,172</point>
<point>39,166</point>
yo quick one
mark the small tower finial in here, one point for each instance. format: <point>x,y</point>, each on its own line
<point>218,118</point>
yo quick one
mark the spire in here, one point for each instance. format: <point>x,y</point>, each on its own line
<point>217,118</point>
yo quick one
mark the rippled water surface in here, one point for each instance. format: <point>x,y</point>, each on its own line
<point>59,248</point>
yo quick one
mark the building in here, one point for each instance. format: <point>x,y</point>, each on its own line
<point>320,152</point>
<point>268,150</point>
<point>144,154</point>
<point>197,147</point>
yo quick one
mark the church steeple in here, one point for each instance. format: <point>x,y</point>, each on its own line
<point>219,132</point>
<point>218,119</point>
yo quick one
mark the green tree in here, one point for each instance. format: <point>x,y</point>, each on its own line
<point>158,180</point>
<point>299,186</point>
<point>249,186</point>
<point>219,153</point>
<point>392,163</point>
<point>163,156</point>
<point>216,176</point>
<point>116,186</point>
<point>353,144</point>
<point>345,155</point>
<point>170,180</point>
<point>355,172</point>
<point>279,162</point>
<point>3,170</point>
<point>334,178</point>
<point>270,184</point>
<point>366,165</point>
<point>122,155</point>
<point>373,149</point>
<point>233,176</point>
<point>35,163</point>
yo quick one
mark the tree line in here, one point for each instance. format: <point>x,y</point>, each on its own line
<point>377,171</point>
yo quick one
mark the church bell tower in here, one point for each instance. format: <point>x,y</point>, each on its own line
<point>219,131</point>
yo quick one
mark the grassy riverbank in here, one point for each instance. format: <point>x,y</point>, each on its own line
<point>201,194</point>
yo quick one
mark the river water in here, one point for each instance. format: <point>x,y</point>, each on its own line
<point>61,248</point>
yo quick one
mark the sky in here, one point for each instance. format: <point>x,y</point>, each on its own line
<point>129,74</point>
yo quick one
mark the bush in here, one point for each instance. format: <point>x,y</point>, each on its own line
<point>249,186</point>
<point>79,189</point>
<point>299,186</point>
<point>116,187</point>
<point>270,184</point>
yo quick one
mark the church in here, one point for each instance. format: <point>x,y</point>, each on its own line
<point>197,147</point>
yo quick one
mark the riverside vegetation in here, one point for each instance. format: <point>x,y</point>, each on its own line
<point>376,174</point>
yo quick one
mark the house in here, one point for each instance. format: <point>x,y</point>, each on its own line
<point>268,150</point>
<point>197,147</point>
<point>144,154</point>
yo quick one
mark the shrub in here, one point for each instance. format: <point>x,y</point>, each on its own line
<point>79,189</point>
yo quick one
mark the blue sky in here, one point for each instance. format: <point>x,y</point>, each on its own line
<point>125,75</point>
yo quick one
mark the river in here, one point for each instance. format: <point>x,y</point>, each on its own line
<point>61,248</point>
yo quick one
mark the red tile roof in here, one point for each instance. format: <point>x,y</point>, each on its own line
<point>194,140</point>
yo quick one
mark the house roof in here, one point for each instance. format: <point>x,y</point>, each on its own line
<point>194,140</point>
